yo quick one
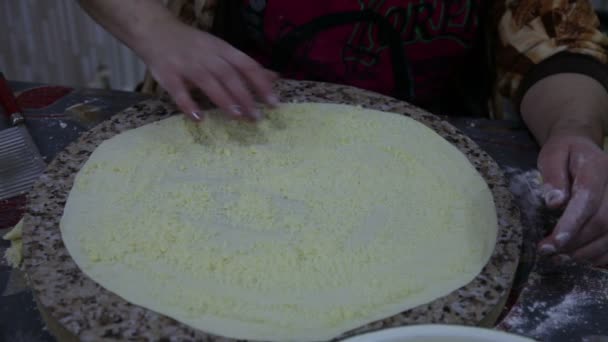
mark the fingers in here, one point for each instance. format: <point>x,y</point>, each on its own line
<point>235,85</point>
<point>260,78</point>
<point>180,94</point>
<point>569,224</point>
<point>594,229</point>
<point>593,241</point>
<point>222,72</point>
<point>583,204</point>
<point>595,252</point>
<point>553,166</point>
<point>220,96</point>
<point>582,230</point>
<point>580,222</point>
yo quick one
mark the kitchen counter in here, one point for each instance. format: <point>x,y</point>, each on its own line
<point>543,296</point>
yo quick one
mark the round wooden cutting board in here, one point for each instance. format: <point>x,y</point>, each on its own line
<point>76,308</point>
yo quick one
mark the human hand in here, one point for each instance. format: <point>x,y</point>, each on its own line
<point>181,58</point>
<point>575,173</point>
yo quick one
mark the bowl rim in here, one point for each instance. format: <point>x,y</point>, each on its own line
<point>438,330</point>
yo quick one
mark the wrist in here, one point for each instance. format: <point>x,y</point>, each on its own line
<point>577,126</point>
<point>147,36</point>
<point>550,108</point>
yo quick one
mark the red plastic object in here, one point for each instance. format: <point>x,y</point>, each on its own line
<point>11,211</point>
<point>41,97</point>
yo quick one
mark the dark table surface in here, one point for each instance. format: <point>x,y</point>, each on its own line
<point>548,302</point>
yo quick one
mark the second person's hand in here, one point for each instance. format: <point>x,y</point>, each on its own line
<point>181,58</point>
<point>575,170</point>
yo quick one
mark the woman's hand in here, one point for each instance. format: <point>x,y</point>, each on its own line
<point>567,115</point>
<point>181,58</point>
<point>575,173</point>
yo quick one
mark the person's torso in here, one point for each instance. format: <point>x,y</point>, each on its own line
<point>409,49</point>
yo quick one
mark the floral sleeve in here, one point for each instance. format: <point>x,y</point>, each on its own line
<point>538,38</point>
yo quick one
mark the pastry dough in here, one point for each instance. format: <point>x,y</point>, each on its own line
<point>315,221</point>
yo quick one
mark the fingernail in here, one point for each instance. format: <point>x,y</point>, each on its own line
<point>235,110</point>
<point>197,115</point>
<point>554,197</point>
<point>272,100</point>
<point>547,249</point>
<point>562,239</point>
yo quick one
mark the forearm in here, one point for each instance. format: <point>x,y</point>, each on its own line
<point>566,104</point>
<point>131,21</point>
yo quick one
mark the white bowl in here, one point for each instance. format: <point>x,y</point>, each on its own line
<point>438,333</point>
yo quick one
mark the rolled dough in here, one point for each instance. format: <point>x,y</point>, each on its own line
<point>319,219</point>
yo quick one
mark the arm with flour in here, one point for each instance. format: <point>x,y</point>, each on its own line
<point>181,57</point>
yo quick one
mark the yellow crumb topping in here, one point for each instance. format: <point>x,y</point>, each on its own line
<point>316,220</point>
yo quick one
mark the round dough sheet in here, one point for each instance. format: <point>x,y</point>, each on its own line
<point>315,221</point>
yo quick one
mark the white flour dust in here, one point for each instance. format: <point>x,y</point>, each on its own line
<point>541,318</point>
<point>544,319</point>
<point>568,311</point>
<point>527,188</point>
<point>565,302</point>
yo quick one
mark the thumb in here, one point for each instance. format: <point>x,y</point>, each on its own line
<point>553,166</point>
